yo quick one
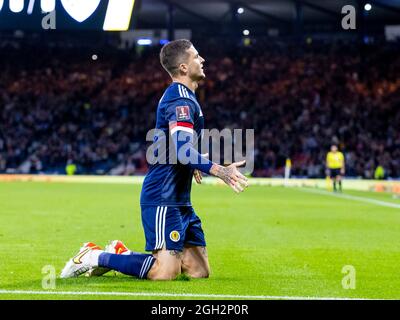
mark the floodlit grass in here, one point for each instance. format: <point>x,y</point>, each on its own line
<point>268,241</point>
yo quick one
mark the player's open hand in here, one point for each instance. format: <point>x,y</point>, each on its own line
<point>231,176</point>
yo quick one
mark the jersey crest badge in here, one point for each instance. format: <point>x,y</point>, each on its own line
<point>175,236</point>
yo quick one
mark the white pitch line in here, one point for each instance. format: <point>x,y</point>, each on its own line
<point>355,198</point>
<point>173,295</point>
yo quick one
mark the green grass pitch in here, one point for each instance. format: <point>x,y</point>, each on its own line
<point>268,241</point>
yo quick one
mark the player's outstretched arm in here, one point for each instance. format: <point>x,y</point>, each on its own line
<point>231,175</point>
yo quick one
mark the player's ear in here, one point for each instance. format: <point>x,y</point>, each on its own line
<point>183,68</point>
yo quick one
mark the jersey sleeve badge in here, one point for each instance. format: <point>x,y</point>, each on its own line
<point>182,113</point>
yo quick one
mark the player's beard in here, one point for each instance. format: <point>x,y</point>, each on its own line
<point>199,76</point>
<point>202,73</point>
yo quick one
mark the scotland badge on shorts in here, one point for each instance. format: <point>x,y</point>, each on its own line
<point>174,236</point>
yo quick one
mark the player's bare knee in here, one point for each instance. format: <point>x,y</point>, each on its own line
<point>197,271</point>
<point>198,274</point>
<point>164,274</point>
<point>204,272</point>
<point>165,268</point>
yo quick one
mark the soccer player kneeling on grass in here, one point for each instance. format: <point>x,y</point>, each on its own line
<point>173,231</point>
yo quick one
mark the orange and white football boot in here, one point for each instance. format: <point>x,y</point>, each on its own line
<point>86,259</point>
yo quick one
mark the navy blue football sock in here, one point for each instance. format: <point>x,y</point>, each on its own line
<point>134,264</point>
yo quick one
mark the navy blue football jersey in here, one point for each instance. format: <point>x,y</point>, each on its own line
<point>170,184</point>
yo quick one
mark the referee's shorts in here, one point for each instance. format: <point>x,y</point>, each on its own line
<point>333,173</point>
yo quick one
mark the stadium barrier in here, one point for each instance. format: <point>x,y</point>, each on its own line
<point>350,184</point>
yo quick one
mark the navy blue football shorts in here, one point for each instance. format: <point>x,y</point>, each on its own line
<point>171,227</point>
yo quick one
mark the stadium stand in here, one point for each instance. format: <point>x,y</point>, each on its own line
<point>58,106</point>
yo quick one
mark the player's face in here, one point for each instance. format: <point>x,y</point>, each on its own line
<point>195,65</point>
<point>333,148</point>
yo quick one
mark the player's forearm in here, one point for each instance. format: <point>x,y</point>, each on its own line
<point>197,161</point>
<point>187,153</point>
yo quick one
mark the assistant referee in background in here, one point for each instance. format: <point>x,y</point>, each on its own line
<point>335,167</point>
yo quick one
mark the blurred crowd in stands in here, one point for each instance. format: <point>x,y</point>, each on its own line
<point>60,106</point>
